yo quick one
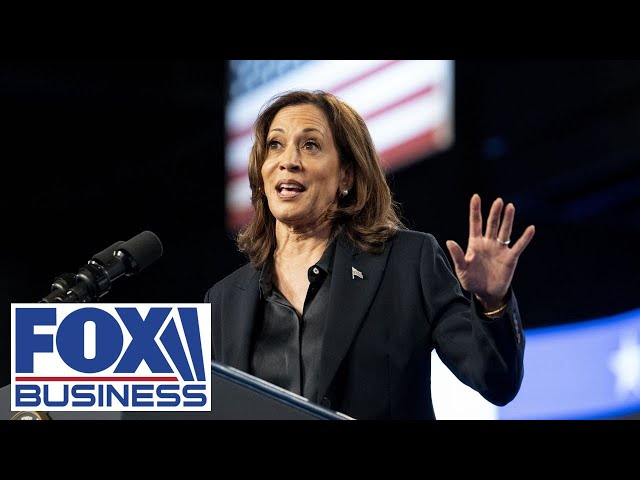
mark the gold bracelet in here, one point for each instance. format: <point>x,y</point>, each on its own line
<point>495,312</point>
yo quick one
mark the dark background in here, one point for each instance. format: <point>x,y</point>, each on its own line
<point>94,153</point>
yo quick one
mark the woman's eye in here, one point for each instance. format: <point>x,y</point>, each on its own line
<point>271,144</point>
<point>310,144</point>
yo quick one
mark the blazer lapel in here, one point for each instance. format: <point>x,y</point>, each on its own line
<point>354,282</point>
<point>240,314</point>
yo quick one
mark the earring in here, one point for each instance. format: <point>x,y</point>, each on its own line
<point>344,193</point>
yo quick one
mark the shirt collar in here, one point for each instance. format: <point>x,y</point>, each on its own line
<point>326,261</point>
<point>266,275</point>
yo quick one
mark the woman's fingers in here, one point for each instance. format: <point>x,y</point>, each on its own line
<point>523,241</point>
<point>457,255</point>
<point>507,224</point>
<point>493,220</point>
<point>499,225</point>
<point>475,217</point>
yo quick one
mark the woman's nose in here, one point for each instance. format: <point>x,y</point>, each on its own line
<point>291,159</point>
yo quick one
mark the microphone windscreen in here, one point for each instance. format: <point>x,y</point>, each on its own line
<point>145,248</point>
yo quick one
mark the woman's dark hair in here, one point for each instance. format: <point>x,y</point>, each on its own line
<point>367,216</point>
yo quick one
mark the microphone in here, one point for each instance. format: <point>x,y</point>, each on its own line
<point>67,280</point>
<point>95,279</point>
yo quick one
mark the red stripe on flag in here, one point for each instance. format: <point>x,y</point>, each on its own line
<point>237,173</point>
<point>237,217</point>
<point>341,86</point>
<point>409,98</point>
<point>408,151</point>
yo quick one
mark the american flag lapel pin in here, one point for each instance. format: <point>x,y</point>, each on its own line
<point>356,273</point>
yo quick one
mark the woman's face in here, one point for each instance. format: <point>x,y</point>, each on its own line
<point>302,174</point>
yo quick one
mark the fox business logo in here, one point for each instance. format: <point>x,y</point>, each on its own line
<point>141,357</point>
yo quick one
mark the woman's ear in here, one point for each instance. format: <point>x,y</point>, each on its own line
<point>346,182</point>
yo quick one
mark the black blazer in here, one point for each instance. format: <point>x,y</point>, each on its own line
<point>382,328</point>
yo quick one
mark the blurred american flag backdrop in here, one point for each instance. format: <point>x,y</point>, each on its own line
<point>407,104</point>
